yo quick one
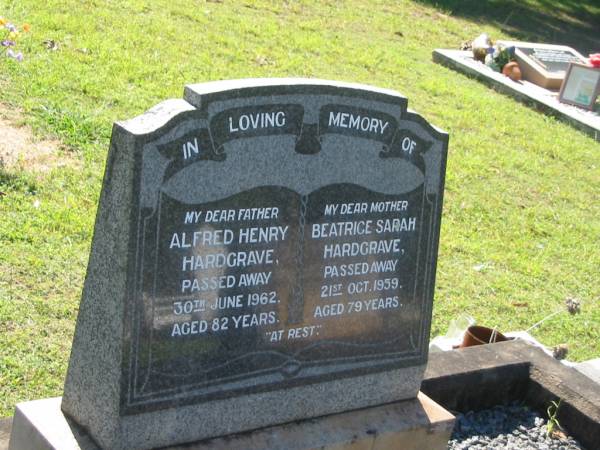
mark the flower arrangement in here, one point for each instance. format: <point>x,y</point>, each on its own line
<point>595,59</point>
<point>9,36</point>
<point>497,57</point>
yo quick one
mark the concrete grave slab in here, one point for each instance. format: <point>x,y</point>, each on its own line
<point>524,91</point>
<point>407,425</point>
<point>590,369</point>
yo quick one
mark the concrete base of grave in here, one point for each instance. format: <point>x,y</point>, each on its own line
<point>409,425</point>
<point>524,91</point>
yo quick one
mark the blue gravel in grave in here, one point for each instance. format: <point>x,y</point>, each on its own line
<point>512,427</point>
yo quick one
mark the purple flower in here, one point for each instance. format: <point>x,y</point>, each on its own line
<point>10,27</point>
<point>11,54</point>
<point>7,43</point>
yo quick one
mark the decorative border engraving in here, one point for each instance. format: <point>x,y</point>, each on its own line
<point>303,132</point>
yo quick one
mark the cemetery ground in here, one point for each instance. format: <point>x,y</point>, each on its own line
<point>520,226</point>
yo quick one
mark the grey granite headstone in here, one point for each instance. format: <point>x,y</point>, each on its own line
<point>264,251</point>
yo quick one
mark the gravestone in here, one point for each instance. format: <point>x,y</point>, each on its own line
<point>264,251</point>
<point>544,64</point>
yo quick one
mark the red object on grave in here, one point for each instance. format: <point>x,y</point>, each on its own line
<point>595,59</point>
<point>478,335</point>
<point>512,70</point>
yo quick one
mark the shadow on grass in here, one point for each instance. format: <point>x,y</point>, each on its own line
<point>575,23</point>
<point>14,181</point>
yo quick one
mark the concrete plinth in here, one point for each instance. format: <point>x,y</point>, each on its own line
<point>408,425</point>
<point>590,369</point>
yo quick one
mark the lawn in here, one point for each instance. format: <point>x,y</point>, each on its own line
<point>521,220</point>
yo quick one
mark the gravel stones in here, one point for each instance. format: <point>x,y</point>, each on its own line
<point>512,427</point>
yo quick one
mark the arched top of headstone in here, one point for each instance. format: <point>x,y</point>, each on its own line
<point>196,93</point>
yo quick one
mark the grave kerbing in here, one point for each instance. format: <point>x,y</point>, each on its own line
<point>264,251</point>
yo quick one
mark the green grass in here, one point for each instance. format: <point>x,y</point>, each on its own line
<point>522,191</point>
